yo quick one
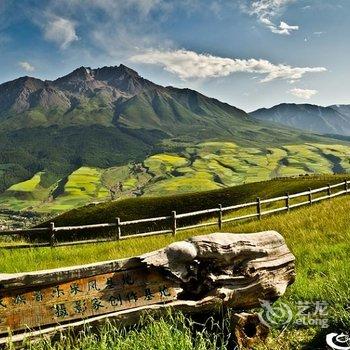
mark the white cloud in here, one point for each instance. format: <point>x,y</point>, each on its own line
<point>266,10</point>
<point>189,64</point>
<point>142,7</point>
<point>26,66</point>
<point>60,31</point>
<point>114,28</point>
<point>305,94</point>
<point>285,28</point>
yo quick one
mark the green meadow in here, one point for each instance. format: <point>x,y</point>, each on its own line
<point>28,194</point>
<point>82,186</point>
<point>318,235</point>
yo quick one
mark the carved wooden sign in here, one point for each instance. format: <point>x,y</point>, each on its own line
<point>82,298</point>
<point>202,273</point>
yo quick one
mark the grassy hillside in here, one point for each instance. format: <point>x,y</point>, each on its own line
<point>61,150</point>
<point>190,168</point>
<point>143,207</point>
<point>318,235</point>
<point>212,165</point>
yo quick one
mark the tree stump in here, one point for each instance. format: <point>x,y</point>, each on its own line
<point>203,274</point>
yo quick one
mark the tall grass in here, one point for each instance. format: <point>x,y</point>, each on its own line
<point>171,332</point>
<point>318,236</point>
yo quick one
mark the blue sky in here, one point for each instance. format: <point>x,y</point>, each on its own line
<point>249,53</point>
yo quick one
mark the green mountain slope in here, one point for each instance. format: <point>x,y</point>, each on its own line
<point>112,116</point>
<point>59,151</point>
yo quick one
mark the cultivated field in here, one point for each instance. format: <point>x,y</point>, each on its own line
<point>201,167</point>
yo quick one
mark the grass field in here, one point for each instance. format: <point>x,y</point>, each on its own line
<point>198,167</point>
<point>144,207</point>
<point>82,186</point>
<point>212,165</point>
<point>318,235</point>
<point>28,194</point>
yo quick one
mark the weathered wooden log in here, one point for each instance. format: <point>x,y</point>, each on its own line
<point>248,330</point>
<point>201,274</point>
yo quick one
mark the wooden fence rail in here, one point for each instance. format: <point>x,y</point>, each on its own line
<point>172,220</point>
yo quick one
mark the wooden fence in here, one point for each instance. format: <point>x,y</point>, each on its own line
<point>172,220</point>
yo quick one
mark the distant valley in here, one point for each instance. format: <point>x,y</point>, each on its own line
<point>107,133</point>
<point>204,166</point>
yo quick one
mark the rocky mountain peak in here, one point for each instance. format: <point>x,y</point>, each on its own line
<point>81,73</point>
<point>123,78</point>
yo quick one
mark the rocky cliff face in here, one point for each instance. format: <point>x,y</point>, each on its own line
<point>113,83</point>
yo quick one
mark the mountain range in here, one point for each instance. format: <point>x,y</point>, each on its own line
<point>312,118</point>
<point>110,97</point>
<point>111,116</point>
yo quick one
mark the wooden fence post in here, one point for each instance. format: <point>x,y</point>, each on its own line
<point>287,201</point>
<point>258,207</point>
<point>52,237</point>
<point>119,229</point>
<point>310,196</point>
<point>220,217</point>
<point>52,241</point>
<point>174,225</point>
